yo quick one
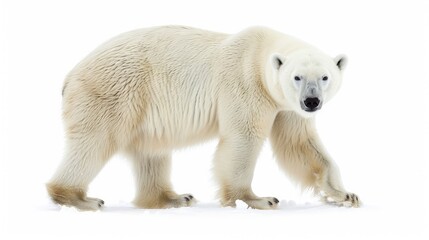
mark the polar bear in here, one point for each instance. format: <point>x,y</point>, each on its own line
<point>149,91</point>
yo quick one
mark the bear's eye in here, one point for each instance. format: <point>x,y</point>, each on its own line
<point>325,78</point>
<point>297,78</point>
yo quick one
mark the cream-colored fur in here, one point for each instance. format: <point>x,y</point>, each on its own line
<point>149,91</point>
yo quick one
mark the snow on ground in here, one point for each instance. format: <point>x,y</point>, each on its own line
<point>208,221</point>
<point>300,216</point>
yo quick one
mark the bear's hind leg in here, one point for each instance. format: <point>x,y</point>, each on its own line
<point>83,160</point>
<point>76,197</point>
<point>153,186</point>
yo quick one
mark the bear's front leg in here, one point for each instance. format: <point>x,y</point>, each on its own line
<point>301,154</point>
<point>235,161</point>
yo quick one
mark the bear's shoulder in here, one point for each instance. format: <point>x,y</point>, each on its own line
<point>268,39</point>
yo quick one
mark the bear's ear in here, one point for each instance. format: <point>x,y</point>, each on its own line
<point>341,61</point>
<point>277,60</point>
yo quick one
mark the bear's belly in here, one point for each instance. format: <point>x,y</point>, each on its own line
<point>178,126</point>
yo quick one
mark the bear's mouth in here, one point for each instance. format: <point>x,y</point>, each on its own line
<point>311,110</point>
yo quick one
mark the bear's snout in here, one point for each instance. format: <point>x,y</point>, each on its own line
<point>312,104</point>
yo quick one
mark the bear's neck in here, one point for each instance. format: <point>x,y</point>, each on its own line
<point>272,86</point>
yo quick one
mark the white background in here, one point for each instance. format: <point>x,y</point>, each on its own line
<point>376,127</point>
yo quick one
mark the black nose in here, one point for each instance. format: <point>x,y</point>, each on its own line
<point>312,103</point>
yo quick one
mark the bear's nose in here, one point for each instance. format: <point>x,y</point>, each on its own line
<point>311,103</point>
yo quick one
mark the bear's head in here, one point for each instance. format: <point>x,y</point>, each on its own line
<point>305,79</point>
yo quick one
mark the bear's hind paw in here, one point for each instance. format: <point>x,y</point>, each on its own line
<point>184,200</point>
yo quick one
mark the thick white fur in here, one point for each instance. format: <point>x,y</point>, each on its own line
<point>149,91</point>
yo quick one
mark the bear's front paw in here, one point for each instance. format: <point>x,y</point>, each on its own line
<point>345,199</point>
<point>264,203</point>
<point>351,200</point>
